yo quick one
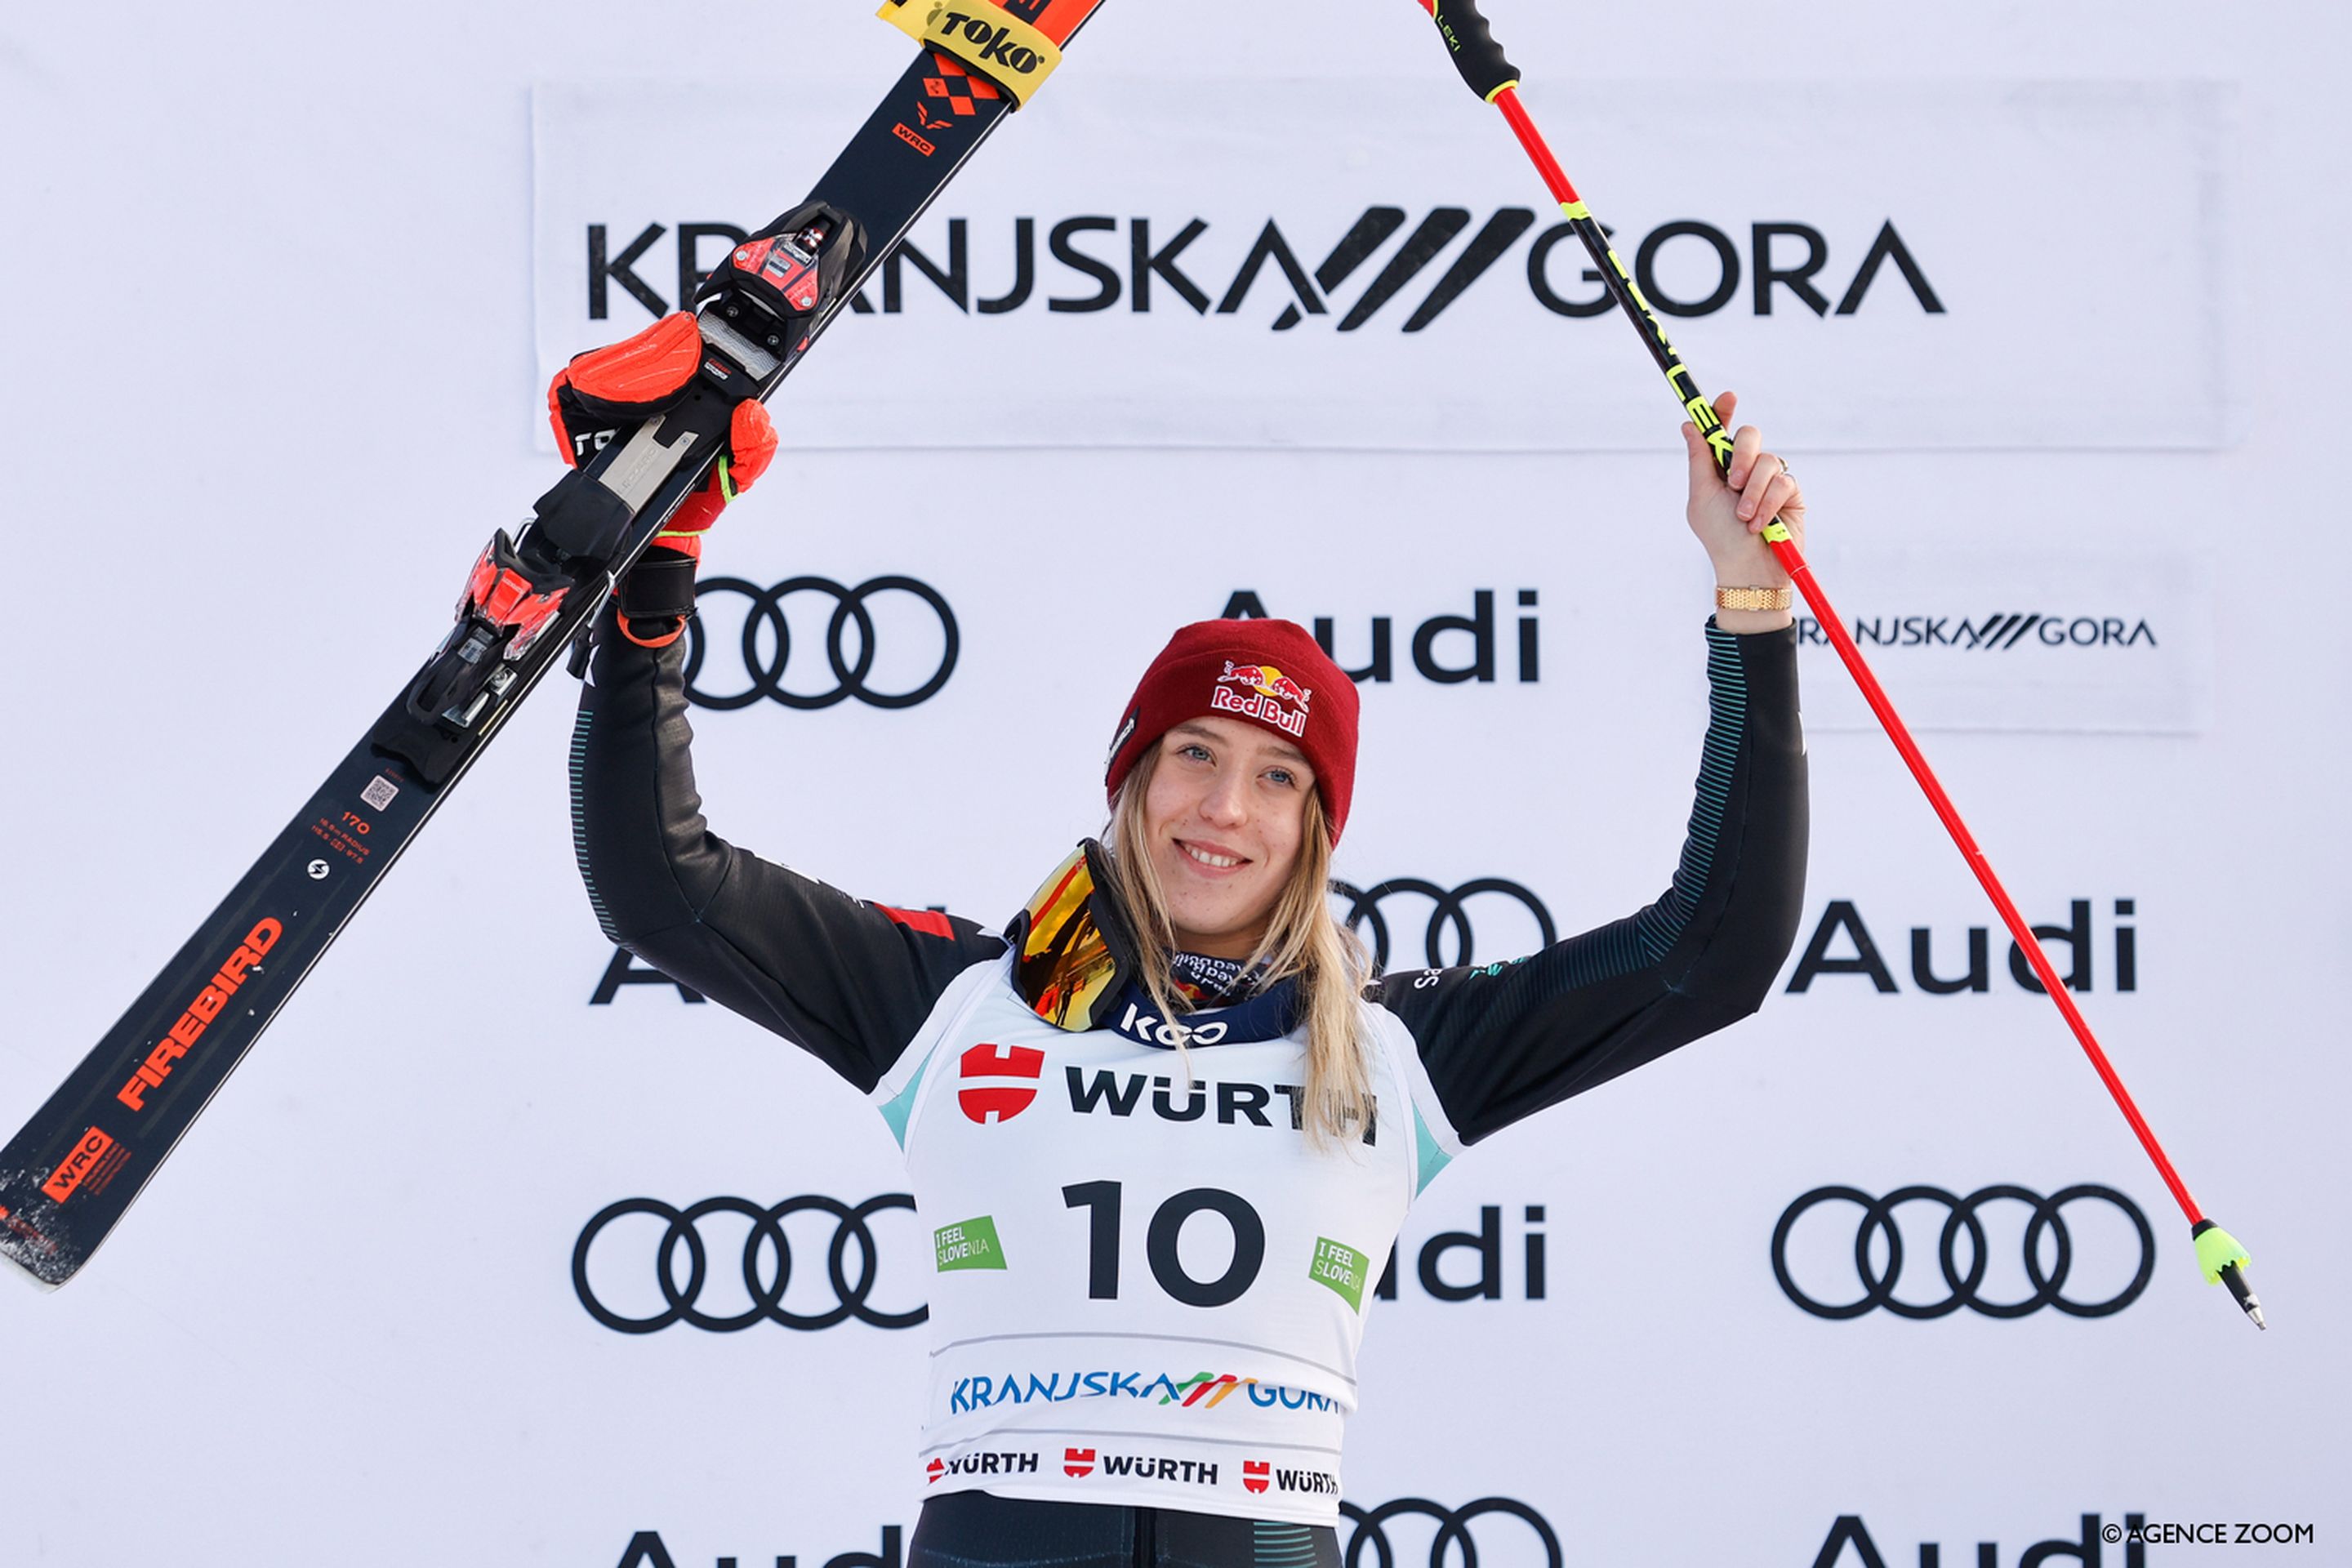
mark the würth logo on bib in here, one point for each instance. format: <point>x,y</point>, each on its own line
<point>1253,1474</point>
<point>1003,1462</point>
<point>1267,695</point>
<point>999,1081</point>
<point>1077,1461</point>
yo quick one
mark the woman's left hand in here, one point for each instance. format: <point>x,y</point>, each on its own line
<point>1729,509</point>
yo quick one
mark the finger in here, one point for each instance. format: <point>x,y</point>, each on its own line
<point>1762,470</point>
<point>1779,496</point>
<point>751,441</point>
<point>1702,461</point>
<point>1744,448</point>
<point>1760,480</point>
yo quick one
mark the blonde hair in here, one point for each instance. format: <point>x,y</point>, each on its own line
<point>1302,939</point>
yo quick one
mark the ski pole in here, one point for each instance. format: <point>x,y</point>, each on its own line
<point>1482,64</point>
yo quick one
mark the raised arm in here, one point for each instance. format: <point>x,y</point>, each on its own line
<point>847,981</point>
<point>1501,1042</point>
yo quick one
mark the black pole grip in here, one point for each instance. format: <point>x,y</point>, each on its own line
<point>1476,54</point>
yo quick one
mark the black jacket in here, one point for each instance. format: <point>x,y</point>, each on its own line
<point>852,982</point>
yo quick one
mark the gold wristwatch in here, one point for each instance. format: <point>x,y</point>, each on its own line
<point>1778,598</point>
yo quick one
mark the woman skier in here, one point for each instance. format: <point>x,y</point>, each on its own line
<point>1164,1126</point>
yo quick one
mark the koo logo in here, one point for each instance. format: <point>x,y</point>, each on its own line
<point>1687,268</point>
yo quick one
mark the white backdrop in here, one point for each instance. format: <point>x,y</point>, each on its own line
<point>277,294</point>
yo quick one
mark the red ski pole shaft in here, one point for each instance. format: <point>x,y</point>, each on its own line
<point>1490,74</point>
<point>2043,970</point>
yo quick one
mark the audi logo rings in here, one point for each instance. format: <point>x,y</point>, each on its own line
<point>2048,1289</point>
<point>765,670</point>
<point>1364,909</point>
<point>1370,1540</point>
<point>766,1236</point>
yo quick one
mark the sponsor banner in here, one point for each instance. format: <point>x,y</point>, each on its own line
<point>641,1265</point>
<point>723,1264</point>
<point>809,643</point>
<point>2094,948</point>
<point>1504,1532</point>
<point>2015,639</point>
<point>1387,284</point>
<point>2085,1541</point>
<point>2004,1251</point>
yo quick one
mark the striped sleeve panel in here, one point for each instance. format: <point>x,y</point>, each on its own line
<point>1503,1040</point>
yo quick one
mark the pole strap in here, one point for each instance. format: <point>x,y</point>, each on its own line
<point>984,36</point>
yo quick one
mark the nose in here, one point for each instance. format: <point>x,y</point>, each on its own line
<point>1227,802</point>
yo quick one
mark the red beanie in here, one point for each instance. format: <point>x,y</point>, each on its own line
<point>1272,671</point>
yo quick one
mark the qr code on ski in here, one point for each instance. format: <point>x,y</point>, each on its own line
<point>379,793</point>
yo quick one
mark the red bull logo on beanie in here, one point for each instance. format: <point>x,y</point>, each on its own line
<point>1269,696</point>
<point>1265,679</point>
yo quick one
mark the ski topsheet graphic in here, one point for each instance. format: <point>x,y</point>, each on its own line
<point>67,1178</point>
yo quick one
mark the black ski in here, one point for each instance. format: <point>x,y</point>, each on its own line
<point>67,1178</point>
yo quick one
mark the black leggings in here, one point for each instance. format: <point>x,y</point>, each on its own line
<point>973,1530</point>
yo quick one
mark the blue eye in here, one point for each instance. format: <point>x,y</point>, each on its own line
<point>1282,776</point>
<point>1194,750</point>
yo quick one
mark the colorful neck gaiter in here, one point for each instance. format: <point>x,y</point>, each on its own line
<point>1207,982</point>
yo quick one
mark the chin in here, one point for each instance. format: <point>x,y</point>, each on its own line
<point>1210,924</point>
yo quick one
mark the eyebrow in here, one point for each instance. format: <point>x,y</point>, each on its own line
<point>1283,749</point>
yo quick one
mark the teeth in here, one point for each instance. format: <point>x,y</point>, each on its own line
<point>1205,858</point>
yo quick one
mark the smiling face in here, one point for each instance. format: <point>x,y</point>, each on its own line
<point>1225,820</point>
